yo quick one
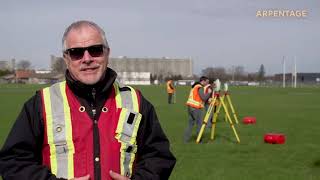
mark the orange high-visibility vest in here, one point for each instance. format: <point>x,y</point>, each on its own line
<point>194,99</point>
<point>169,89</point>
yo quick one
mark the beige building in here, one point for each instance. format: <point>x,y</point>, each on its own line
<point>156,66</point>
<point>8,64</point>
<point>136,78</point>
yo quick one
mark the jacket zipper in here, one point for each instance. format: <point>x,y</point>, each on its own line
<point>93,93</point>
<point>96,143</point>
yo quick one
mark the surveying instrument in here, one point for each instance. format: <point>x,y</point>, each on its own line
<point>217,101</point>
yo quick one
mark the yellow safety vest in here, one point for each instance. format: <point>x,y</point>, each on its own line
<point>58,119</point>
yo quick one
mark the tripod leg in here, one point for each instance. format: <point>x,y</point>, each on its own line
<point>231,124</point>
<point>205,121</point>
<point>232,109</point>
<point>225,114</point>
<point>213,120</point>
<point>215,116</point>
<point>219,106</point>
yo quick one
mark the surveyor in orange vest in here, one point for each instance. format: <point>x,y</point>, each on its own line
<point>170,90</point>
<point>195,104</point>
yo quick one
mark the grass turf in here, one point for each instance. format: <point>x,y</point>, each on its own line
<point>293,112</point>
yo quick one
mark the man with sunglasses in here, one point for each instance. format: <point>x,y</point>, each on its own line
<point>89,126</point>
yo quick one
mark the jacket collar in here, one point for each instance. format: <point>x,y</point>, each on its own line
<point>101,87</point>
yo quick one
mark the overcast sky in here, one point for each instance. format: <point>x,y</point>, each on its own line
<point>212,32</point>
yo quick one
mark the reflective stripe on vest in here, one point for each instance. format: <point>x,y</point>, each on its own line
<point>194,99</point>
<point>59,130</point>
<point>127,127</point>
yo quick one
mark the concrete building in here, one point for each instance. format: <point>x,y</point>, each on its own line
<point>156,66</point>
<point>136,78</point>
<point>8,64</point>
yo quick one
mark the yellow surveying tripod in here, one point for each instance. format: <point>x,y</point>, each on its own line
<point>216,99</point>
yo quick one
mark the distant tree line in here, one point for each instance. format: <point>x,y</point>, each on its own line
<point>163,78</point>
<point>5,72</point>
<point>236,73</point>
<point>59,66</point>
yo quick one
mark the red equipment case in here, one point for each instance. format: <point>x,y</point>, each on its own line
<point>273,138</point>
<point>249,120</point>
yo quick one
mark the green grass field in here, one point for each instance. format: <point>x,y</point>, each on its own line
<point>294,112</point>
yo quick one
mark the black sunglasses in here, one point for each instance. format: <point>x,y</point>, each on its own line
<point>78,52</point>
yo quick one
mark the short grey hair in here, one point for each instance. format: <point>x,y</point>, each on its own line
<point>80,24</point>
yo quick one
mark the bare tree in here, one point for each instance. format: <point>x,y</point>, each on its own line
<point>173,77</point>
<point>215,72</point>
<point>240,73</point>
<point>59,66</point>
<point>24,64</point>
<point>252,76</point>
<point>237,73</point>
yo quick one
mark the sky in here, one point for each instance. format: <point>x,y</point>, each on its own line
<point>213,33</point>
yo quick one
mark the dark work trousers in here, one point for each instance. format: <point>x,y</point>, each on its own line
<point>195,116</point>
<point>170,98</point>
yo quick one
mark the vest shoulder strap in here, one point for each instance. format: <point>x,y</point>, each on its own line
<point>59,129</point>
<point>128,125</point>
<point>126,97</point>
